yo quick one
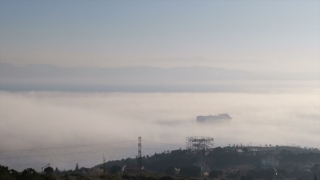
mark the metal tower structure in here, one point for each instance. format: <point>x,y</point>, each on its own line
<point>197,143</point>
<point>139,154</point>
<point>202,145</point>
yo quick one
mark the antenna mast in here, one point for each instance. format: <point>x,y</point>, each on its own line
<point>139,154</point>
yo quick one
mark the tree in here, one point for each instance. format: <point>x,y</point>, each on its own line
<point>115,169</point>
<point>29,174</point>
<point>57,171</point>
<point>77,168</point>
<point>166,178</point>
<point>315,168</point>
<point>192,171</point>
<point>7,174</point>
<point>170,170</point>
<point>48,170</point>
<point>215,173</point>
<point>218,150</point>
<point>246,178</point>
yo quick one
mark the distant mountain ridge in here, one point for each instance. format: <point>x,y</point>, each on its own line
<point>137,79</point>
<point>50,71</point>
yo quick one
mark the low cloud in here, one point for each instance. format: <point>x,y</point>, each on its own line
<point>38,119</point>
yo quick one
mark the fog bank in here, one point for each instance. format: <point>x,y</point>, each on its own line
<point>49,119</point>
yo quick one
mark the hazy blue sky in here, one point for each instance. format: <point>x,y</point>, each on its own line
<point>249,35</point>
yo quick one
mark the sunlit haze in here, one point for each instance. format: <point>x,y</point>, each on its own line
<point>81,81</point>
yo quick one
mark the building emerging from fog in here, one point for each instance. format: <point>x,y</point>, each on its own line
<point>210,118</point>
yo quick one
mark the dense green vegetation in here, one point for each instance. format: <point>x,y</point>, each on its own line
<point>291,162</point>
<point>221,163</point>
<point>30,174</point>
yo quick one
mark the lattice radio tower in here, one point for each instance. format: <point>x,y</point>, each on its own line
<point>200,144</point>
<point>139,154</point>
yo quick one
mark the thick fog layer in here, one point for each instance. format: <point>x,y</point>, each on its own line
<point>63,129</point>
<point>49,119</point>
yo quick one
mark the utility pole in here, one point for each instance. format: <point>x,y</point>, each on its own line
<point>139,154</point>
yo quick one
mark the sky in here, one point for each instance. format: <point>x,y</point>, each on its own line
<point>280,36</point>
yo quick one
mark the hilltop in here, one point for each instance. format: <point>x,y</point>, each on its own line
<point>236,162</point>
<point>231,162</point>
